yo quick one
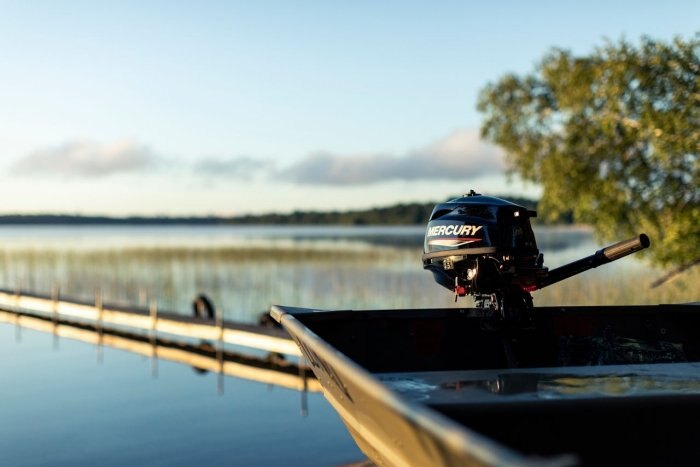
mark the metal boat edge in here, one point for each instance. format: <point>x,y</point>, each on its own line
<point>389,429</point>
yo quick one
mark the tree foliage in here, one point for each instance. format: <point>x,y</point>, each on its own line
<point>613,136</point>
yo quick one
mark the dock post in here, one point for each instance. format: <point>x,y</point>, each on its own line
<point>18,329</point>
<point>54,313</point>
<point>99,306</point>
<point>18,293</point>
<point>143,296</point>
<point>220,351</point>
<point>54,302</point>
<point>304,396</point>
<point>154,351</point>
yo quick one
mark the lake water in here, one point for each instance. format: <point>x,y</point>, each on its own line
<point>66,402</point>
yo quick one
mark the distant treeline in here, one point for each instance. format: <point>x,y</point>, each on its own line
<point>400,214</point>
<point>65,219</point>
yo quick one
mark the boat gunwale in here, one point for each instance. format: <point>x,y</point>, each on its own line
<point>459,438</point>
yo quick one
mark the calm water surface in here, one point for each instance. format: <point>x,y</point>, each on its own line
<point>64,402</point>
<point>59,406</point>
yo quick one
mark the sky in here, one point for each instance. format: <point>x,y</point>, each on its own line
<point>228,108</point>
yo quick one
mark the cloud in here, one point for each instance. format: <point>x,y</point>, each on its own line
<point>238,167</point>
<point>460,155</point>
<point>87,159</point>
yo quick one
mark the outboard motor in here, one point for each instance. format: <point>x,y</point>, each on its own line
<point>485,247</point>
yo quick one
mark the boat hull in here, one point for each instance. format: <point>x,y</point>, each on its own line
<point>577,386</point>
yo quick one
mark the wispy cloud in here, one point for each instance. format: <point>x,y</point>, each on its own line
<point>238,167</point>
<point>87,159</point>
<point>460,155</point>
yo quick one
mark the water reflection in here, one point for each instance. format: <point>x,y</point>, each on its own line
<point>155,402</point>
<point>203,356</point>
<point>638,381</point>
<point>478,387</point>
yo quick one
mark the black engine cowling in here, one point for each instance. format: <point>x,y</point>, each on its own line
<point>481,245</point>
<point>484,246</point>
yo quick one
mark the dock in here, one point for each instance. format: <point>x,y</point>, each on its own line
<point>257,353</point>
<point>151,320</point>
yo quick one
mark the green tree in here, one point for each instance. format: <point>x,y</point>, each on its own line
<point>613,136</point>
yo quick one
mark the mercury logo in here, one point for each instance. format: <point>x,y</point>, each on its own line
<point>453,229</point>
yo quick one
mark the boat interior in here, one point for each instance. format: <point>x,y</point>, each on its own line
<point>611,385</point>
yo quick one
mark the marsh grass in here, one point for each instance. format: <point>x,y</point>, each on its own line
<point>245,281</point>
<point>627,288</point>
